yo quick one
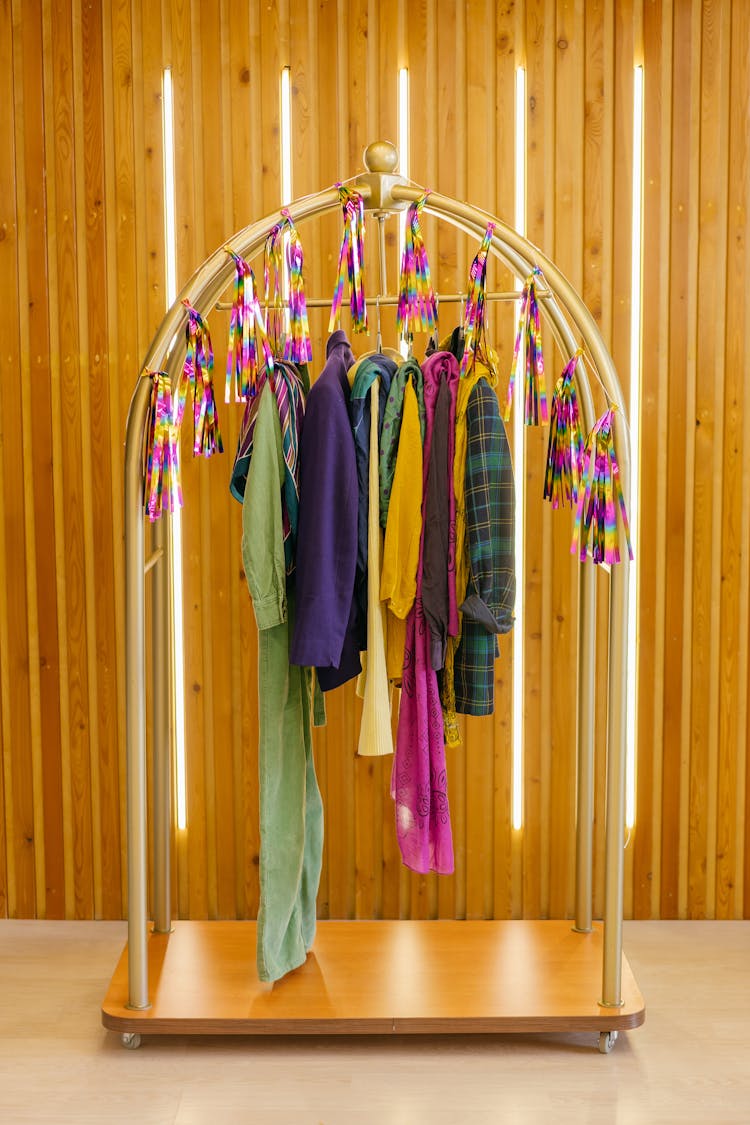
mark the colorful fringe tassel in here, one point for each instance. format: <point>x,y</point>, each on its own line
<point>298,347</point>
<point>246,334</point>
<point>417,307</point>
<point>474,313</point>
<point>596,511</point>
<point>527,356</point>
<point>565,446</point>
<point>162,491</point>
<point>289,333</point>
<point>199,358</point>
<point>351,262</point>
<point>273,286</point>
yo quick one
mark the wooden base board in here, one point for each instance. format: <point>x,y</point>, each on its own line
<point>375,978</point>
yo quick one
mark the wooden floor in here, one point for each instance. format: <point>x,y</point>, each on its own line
<point>690,1062</point>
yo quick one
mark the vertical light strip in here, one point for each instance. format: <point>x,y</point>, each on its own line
<point>175,556</point>
<point>286,136</point>
<point>403,158</point>
<point>403,121</point>
<point>636,331</point>
<point>285,142</point>
<point>519,445</point>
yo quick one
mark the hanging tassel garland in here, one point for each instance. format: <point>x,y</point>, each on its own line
<point>298,347</point>
<point>273,291</point>
<point>565,445</point>
<point>289,334</point>
<point>599,496</point>
<point>246,332</point>
<point>474,313</point>
<point>162,491</point>
<point>417,307</point>
<point>528,357</point>
<point>351,262</point>
<point>199,359</point>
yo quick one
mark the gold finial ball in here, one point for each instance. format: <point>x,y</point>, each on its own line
<point>381,156</point>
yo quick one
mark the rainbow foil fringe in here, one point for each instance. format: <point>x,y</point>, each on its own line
<point>246,333</point>
<point>289,334</point>
<point>298,347</point>
<point>599,496</point>
<point>475,301</point>
<point>565,445</point>
<point>417,307</point>
<point>351,262</point>
<point>199,363</point>
<point>273,286</point>
<point>528,356</point>
<point>162,490</point>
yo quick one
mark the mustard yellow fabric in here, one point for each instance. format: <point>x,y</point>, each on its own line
<point>375,733</point>
<point>465,387</point>
<point>398,582</point>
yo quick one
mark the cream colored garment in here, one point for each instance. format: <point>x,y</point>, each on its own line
<point>375,735</point>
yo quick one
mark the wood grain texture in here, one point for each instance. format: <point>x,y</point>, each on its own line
<point>81,219</point>
<point>470,977</point>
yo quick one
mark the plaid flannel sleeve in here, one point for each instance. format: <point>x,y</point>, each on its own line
<point>490,515</point>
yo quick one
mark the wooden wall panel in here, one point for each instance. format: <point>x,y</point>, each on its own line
<point>82,280</point>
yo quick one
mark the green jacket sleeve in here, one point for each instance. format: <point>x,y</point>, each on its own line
<point>262,527</point>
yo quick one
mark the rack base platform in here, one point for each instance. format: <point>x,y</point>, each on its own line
<point>371,978</point>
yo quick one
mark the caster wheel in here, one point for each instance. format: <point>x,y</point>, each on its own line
<point>607,1040</point>
<point>130,1040</point>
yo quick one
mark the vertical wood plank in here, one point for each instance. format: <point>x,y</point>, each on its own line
<point>42,626</point>
<point>739,242</point>
<point>100,459</point>
<point>536,700</point>
<point>24,423</point>
<point>504,894</point>
<point>570,46</point>
<point>653,516</point>
<point>677,532</point>
<point>483,837</point>
<point>734,575</point>
<point>221,567</point>
<point>606,312</point>
<point>696,626</point>
<point>621,309</point>
<point>9,250</point>
<point>69,296</point>
<point>188,185</point>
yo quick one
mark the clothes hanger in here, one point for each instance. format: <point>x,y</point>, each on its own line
<point>389,353</point>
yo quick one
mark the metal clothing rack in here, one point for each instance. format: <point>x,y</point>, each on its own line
<point>576,978</point>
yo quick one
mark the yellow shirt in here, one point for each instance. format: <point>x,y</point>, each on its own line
<point>398,583</point>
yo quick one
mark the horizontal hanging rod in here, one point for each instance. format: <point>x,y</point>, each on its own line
<point>393,299</point>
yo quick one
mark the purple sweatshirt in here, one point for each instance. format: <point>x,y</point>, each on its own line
<point>326,627</point>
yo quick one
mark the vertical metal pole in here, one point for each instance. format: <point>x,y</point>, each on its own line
<point>616,743</point>
<point>585,745</point>
<point>161,740</point>
<point>135,698</point>
<point>381,258</point>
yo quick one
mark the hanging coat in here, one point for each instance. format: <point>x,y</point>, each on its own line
<point>489,501</point>
<point>327,629</point>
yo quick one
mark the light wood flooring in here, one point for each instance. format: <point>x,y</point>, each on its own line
<point>690,1062</point>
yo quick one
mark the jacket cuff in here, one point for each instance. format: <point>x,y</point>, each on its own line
<point>477,610</point>
<point>270,610</point>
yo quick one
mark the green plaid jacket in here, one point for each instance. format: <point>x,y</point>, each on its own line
<point>490,518</point>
